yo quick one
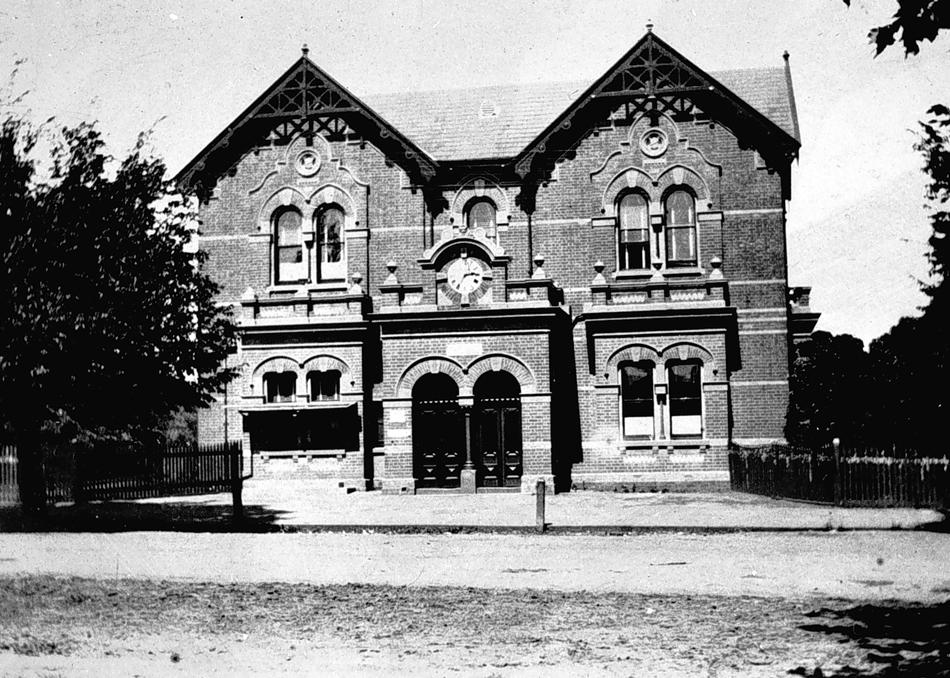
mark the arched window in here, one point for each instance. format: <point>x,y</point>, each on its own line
<point>636,399</point>
<point>686,399</point>
<point>324,385</point>
<point>680,229</point>
<point>290,264</point>
<point>330,258</point>
<point>633,243</point>
<point>481,213</point>
<point>280,387</point>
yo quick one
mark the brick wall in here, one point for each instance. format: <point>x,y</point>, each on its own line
<point>742,223</point>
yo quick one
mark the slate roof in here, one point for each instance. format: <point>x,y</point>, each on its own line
<point>451,125</point>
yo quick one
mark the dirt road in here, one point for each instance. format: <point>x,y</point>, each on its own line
<point>171,604</point>
<point>856,565</point>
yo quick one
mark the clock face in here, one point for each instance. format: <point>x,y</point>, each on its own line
<point>464,281</point>
<point>465,275</point>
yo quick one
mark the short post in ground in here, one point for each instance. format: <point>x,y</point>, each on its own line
<point>837,445</point>
<point>540,494</point>
<point>237,485</point>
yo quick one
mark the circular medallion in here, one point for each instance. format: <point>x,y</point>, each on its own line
<point>308,163</point>
<point>654,142</point>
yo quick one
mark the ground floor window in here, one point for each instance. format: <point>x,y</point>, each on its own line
<point>324,385</point>
<point>636,399</point>
<point>336,429</point>
<point>280,387</point>
<point>686,403</point>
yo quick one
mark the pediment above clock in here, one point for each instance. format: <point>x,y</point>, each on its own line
<point>452,243</point>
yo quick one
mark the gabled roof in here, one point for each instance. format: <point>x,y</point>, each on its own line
<point>656,79</point>
<point>451,125</point>
<point>504,123</point>
<point>303,91</point>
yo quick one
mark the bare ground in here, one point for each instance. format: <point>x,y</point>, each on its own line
<point>51,626</point>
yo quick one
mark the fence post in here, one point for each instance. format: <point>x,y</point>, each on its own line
<point>539,506</point>
<point>837,445</point>
<point>237,501</point>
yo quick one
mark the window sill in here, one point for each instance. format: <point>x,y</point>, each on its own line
<point>682,271</point>
<point>291,289</point>
<point>666,444</point>
<point>633,274</point>
<point>301,454</point>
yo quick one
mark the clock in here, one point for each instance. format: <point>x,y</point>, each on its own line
<point>465,280</point>
<point>464,275</point>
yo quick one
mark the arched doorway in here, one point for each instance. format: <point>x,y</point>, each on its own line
<point>438,432</point>
<point>496,449</point>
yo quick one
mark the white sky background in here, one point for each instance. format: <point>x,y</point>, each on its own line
<point>857,224</point>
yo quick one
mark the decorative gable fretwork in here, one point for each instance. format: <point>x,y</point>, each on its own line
<point>304,93</point>
<point>332,128</point>
<point>652,69</point>
<point>304,101</point>
<point>653,79</point>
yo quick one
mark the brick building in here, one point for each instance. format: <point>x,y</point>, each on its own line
<point>580,282</point>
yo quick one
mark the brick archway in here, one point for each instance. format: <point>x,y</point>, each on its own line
<point>504,363</point>
<point>430,365</point>
<point>634,353</point>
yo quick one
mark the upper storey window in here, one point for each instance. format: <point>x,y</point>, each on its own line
<point>680,229</point>
<point>481,214</point>
<point>330,253</point>
<point>634,234</point>
<point>290,264</point>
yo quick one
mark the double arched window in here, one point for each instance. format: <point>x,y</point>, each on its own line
<point>680,208</point>
<point>293,260</point>
<point>634,252</point>
<point>676,413</point>
<point>633,244</point>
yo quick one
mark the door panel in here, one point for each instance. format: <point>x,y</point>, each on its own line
<point>496,442</point>
<point>438,437</point>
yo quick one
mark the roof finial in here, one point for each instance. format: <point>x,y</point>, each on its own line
<point>305,50</point>
<point>785,55</point>
<point>649,25</point>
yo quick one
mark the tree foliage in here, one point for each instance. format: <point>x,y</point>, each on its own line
<point>915,21</point>
<point>829,380</point>
<point>109,325</point>
<point>905,371</point>
<point>901,381</point>
<point>934,146</point>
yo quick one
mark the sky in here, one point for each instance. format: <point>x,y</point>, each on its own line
<point>857,222</point>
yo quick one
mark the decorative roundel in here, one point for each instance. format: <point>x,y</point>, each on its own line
<point>308,163</point>
<point>654,142</point>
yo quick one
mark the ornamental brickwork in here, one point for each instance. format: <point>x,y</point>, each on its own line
<point>478,323</point>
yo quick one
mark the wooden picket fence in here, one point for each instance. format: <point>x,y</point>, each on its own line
<point>9,485</point>
<point>831,476</point>
<point>129,471</point>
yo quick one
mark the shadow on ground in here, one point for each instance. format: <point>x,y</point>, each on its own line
<point>130,516</point>
<point>898,639</point>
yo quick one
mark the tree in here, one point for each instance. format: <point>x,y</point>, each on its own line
<point>915,20</point>
<point>828,398</point>
<point>934,145</point>
<point>110,325</point>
